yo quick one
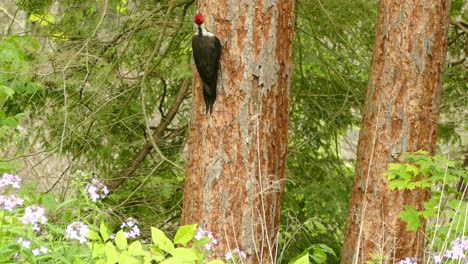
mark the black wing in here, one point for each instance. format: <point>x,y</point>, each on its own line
<point>206,53</point>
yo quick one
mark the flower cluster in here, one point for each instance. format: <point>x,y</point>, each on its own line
<point>8,200</point>
<point>10,180</point>
<point>34,215</point>
<point>78,231</point>
<point>24,242</point>
<point>408,261</point>
<point>96,190</point>
<point>132,226</point>
<point>457,252</point>
<point>200,233</point>
<point>229,255</point>
<point>38,251</point>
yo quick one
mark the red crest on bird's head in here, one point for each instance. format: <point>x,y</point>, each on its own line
<point>199,19</point>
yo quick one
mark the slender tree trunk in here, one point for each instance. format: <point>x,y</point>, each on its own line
<point>400,115</point>
<point>237,156</point>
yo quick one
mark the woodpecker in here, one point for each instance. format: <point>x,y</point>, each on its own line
<point>206,53</point>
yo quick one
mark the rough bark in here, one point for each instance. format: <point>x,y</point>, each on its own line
<point>236,156</point>
<point>400,115</point>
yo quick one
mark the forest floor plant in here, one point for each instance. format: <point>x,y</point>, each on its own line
<point>34,228</point>
<point>446,211</point>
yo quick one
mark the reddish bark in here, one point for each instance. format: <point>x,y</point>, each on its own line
<point>237,156</point>
<point>400,115</point>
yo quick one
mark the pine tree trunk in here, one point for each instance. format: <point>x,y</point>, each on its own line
<point>237,156</point>
<point>400,115</point>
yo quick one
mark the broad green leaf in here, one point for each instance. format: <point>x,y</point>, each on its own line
<point>303,258</point>
<point>11,122</point>
<point>216,261</point>
<point>93,235</point>
<point>185,254</point>
<point>135,249</point>
<point>103,231</point>
<point>160,240</point>
<point>77,260</point>
<point>127,259</point>
<point>48,201</point>
<point>98,249</point>
<point>326,249</point>
<point>121,240</point>
<point>319,256</point>
<point>184,234</point>
<point>177,260</point>
<point>111,253</point>
<point>411,217</point>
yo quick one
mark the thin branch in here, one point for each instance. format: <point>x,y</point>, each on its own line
<point>456,62</point>
<point>157,136</point>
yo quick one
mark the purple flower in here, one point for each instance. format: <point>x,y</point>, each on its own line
<point>228,255</point>
<point>408,261</point>
<point>10,179</point>
<point>200,233</point>
<point>96,190</point>
<point>78,231</point>
<point>437,259</point>
<point>9,202</point>
<point>38,251</point>
<point>131,225</point>
<point>457,252</point>
<point>34,215</point>
<point>24,243</point>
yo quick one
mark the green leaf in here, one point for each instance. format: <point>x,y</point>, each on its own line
<point>319,256</point>
<point>184,234</point>
<point>216,261</point>
<point>11,122</point>
<point>98,249</point>
<point>121,240</point>
<point>411,217</point>
<point>6,92</point>
<point>93,235</point>
<point>413,169</point>
<point>160,240</point>
<point>185,254</point>
<point>201,242</point>
<point>321,228</point>
<point>103,231</point>
<point>326,249</point>
<point>303,258</point>
<point>135,249</point>
<point>127,259</point>
<point>48,201</point>
<point>111,253</point>
<point>177,260</point>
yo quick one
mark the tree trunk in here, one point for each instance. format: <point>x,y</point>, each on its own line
<point>400,115</point>
<point>237,156</point>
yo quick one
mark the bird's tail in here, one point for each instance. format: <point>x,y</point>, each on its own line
<point>209,94</point>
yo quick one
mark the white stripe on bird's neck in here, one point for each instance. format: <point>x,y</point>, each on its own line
<point>204,32</point>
